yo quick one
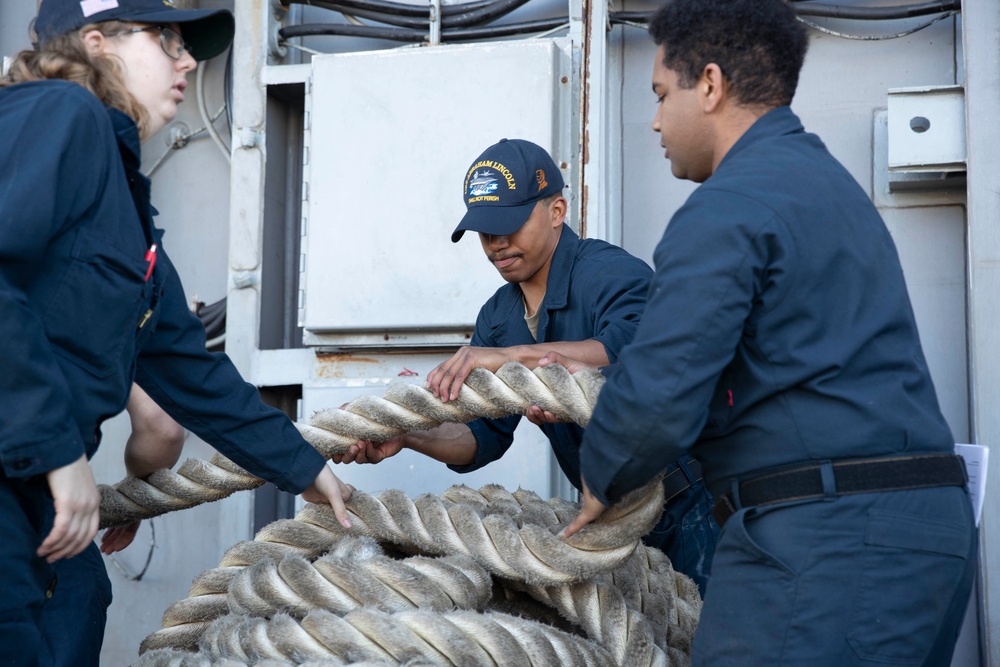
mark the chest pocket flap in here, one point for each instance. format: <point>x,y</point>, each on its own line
<point>95,310</point>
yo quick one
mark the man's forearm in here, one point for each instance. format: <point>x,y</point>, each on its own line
<point>590,352</point>
<point>156,440</point>
<point>449,443</point>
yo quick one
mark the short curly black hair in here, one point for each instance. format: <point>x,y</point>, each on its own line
<point>758,44</point>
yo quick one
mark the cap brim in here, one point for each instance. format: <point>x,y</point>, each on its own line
<point>208,32</point>
<point>495,220</point>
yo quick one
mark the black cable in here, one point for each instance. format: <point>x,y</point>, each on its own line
<point>506,30</point>
<point>227,85</point>
<point>474,15</point>
<point>452,10</point>
<point>484,15</point>
<point>211,308</point>
<point>399,9</point>
<point>416,11</point>
<point>875,13</point>
<point>213,317</point>
<point>405,35</point>
<point>214,323</point>
<point>826,10</point>
<point>210,316</point>
<point>214,330</point>
<point>348,30</point>
<point>388,19</point>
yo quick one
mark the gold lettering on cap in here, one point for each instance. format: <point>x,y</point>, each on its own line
<point>504,171</point>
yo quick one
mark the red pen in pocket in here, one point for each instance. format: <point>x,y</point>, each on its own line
<point>151,258</point>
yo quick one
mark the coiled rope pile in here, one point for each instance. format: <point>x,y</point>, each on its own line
<point>467,578</point>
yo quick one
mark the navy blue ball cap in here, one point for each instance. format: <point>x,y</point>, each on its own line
<point>207,32</point>
<point>503,185</point>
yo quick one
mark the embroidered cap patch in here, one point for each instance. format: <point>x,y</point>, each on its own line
<point>91,7</point>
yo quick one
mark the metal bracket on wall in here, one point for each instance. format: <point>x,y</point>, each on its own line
<point>926,138</point>
<point>909,189</point>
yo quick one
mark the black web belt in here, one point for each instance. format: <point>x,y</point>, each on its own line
<point>829,479</point>
<point>677,482</point>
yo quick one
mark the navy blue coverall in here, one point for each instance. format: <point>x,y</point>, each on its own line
<point>778,330</point>
<point>83,312</point>
<point>594,290</point>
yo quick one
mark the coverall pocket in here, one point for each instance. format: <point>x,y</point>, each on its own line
<point>97,305</point>
<point>754,549</point>
<point>921,561</point>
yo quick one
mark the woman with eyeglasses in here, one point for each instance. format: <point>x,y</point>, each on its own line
<point>89,302</point>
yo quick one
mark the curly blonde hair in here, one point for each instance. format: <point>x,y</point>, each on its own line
<point>66,57</point>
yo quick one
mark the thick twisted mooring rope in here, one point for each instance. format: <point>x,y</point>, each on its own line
<point>463,638</point>
<point>635,612</point>
<point>340,584</point>
<point>172,658</point>
<point>619,633</point>
<point>403,408</point>
<point>511,535</point>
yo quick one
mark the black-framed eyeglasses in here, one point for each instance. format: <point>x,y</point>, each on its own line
<point>170,40</point>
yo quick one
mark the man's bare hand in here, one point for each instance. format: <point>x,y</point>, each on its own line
<point>540,417</point>
<point>119,537</point>
<point>327,489</point>
<point>445,380</point>
<point>572,365</point>
<point>369,451</point>
<point>590,509</point>
<point>78,511</point>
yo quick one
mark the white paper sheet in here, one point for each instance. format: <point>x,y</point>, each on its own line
<point>976,459</point>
